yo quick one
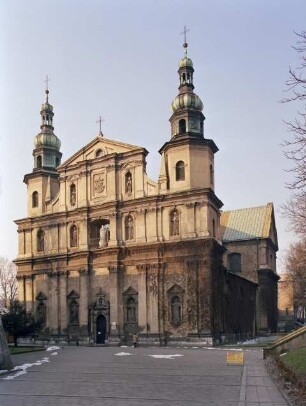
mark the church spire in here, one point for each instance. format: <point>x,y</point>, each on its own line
<point>187,117</point>
<point>47,153</point>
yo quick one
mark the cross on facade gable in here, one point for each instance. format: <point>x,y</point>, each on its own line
<point>100,120</point>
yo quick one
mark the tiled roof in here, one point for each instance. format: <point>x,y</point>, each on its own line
<point>246,224</point>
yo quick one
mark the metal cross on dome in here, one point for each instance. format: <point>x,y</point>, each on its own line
<point>47,80</point>
<point>185,45</point>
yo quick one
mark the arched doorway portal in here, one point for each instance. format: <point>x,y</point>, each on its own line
<point>101,329</point>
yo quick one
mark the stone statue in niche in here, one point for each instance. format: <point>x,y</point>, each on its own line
<point>129,228</point>
<point>72,195</point>
<point>176,310</point>
<point>74,236</point>
<point>131,310</point>
<point>104,236</point>
<point>41,313</point>
<point>128,184</point>
<point>74,313</point>
<point>175,223</point>
<point>40,241</point>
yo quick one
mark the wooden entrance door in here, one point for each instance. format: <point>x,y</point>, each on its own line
<point>101,329</point>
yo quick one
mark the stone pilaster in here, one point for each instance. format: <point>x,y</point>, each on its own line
<point>62,294</point>
<point>29,292</point>
<point>142,299</point>
<point>113,223</point>
<point>21,288</point>
<point>202,219</point>
<point>141,225</point>
<point>84,294</point>
<point>52,313</point>
<point>190,214</point>
<point>114,292</point>
<point>193,297</point>
<point>151,224</point>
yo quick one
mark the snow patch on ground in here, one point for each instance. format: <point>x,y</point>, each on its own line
<point>122,354</point>
<point>224,349</point>
<point>22,369</point>
<point>55,347</point>
<point>54,353</point>
<point>166,356</point>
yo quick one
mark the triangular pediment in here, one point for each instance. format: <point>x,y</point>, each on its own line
<point>130,291</point>
<point>41,296</point>
<point>97,148</point>
<point>176,289</point>
<point>73,295</point>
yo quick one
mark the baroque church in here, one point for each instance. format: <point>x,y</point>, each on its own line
<point>105,252</point>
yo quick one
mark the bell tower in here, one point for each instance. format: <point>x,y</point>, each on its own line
<point>188,158</point>
<point>43,182</point>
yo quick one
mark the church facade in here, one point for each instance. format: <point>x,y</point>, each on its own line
<point>106,252</point>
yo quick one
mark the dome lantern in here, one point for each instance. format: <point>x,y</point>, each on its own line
<point>47,145</point>
<point>187,117</point>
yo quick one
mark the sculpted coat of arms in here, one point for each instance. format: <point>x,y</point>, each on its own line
<point>99,183</point>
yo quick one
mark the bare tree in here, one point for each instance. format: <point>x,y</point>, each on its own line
<point>295,148</point>
<point>8,281</point>
<point>296,269</point>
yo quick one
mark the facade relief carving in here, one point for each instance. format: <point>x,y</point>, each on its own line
<point>99,184</point>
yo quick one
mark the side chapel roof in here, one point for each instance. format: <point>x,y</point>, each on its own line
<point>249,223</point>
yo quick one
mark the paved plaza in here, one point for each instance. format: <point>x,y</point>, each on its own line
<point>109,376</point>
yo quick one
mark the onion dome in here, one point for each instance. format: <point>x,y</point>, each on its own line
<point>187,100</point>
<point>47,139</point>
<point>187,118</point>
<point>46,106</point>
<point>184,62</point>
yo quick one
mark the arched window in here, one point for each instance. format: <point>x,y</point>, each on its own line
<point>180,170</point>
<point>128,183</point>
<point>99,153</point>
<point>176,310</point>
<point>40,240</point>
<point>73,236</point>
<point>211,174</point>
<point>35,199</point>
<point>234,260</point>
<point>39,161</point>
<point>72,194</point>
<point>174,223</point>
<point>57,162</point>
<point>182,126</point>
<point>129,228</point>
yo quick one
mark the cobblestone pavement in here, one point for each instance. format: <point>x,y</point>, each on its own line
<point>92,376</point>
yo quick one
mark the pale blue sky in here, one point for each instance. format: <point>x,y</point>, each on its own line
<point>119,59</point>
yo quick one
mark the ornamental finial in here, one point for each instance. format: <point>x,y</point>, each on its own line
<point>185,45</point>
<point>47,80</point>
